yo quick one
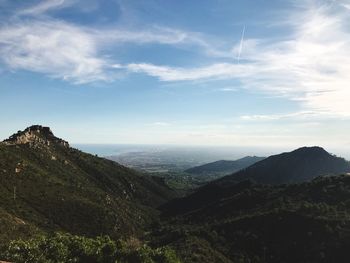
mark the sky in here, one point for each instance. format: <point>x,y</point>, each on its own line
<point>271,73</point>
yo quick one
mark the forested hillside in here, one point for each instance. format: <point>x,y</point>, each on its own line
<point>248,222</point>
<point>48,186</point>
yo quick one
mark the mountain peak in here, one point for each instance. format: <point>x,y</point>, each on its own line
<point>35,135</point>
<point>300,165</point>
<point>312,149</point>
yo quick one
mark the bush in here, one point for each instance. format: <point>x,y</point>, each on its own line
<point>66,248</point>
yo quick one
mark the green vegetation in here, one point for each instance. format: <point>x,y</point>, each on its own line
<point>58,204</point>
<point>182,182</point>
<point>50,187</point>
<point>63,248</point>
<point>247,222</point>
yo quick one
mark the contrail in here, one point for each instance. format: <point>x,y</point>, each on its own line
<point>241,45</point>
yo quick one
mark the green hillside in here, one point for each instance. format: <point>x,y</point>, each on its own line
<point>45,185</point>
<point>247,222</point>
<point>58,204</point>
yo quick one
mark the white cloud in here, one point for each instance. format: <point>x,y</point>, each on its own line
<point>344,3</point>
<point>31,40</point>
<point>191,41</point>
<point>52,47</point>
<point>164,73</point>
<point>71,52</point>
<point>158,35</point>
<point>299,115</point>
<point>228,89</point>
<point>311,66</point>
<point>44,7</point>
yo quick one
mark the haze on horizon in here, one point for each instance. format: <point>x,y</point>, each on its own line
<point>222,73</point>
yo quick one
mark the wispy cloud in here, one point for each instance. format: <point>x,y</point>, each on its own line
<point>165,73</point>
<point>311,66</point>
<point>45,6</point>
<point>241,45</point>
<point>155,34</point>
<point>228,89</point>
<point>299,115</point>
<point>76,53</point>
<point>55,48</point>
<point>345,3</point>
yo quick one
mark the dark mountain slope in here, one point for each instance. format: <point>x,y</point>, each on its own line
<point>224,167</point>
<point>248,222</point>
<point>46,185</point>
<point>303,164</point>
<point>297,166</point>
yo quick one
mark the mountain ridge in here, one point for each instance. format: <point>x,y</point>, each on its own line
<point>45,185</point>
<point>225,166</point>
<point>225,186</point>
<point>300,165</point>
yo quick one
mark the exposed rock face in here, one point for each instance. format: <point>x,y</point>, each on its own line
<point>35,135</point>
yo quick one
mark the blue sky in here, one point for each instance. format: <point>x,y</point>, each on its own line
<point>220,72</point>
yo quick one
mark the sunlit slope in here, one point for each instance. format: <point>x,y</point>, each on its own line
<point>46,185</point>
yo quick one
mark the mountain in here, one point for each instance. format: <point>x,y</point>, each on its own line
<point>281,209</point>
<point>224,167</point>
<point>45,185</point>
<point>300,165</point>
<point>249,222</point>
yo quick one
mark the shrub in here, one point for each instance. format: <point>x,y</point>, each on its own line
<point>66,248</point>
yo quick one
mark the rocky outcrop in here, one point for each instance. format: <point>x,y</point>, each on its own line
<point>36,135</point>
